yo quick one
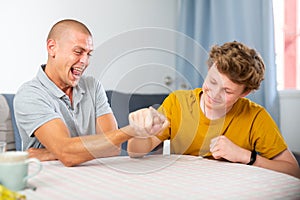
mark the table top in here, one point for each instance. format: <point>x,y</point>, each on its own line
<point>160,177</point>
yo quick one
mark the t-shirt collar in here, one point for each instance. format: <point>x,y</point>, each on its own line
<point>43,78</point>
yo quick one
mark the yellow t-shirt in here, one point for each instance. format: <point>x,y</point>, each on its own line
<point>247,124</point>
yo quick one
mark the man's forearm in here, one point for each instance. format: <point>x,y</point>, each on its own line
<point>85,148</point>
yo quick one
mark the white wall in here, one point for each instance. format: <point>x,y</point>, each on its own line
<point>290,118</point>
<point>25,25</point>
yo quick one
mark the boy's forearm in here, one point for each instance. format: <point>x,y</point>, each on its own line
<point>138,147</point>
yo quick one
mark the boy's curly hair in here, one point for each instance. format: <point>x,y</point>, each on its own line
<point>241,64</point>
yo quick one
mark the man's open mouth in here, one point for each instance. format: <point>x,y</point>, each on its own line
<point>77,71</point>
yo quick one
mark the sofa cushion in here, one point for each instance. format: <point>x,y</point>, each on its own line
<point>6,128</point>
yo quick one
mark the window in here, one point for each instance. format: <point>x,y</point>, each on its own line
<point>287,43</point>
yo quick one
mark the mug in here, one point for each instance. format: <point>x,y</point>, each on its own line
<point>14,169</point>
<point>2,146</point>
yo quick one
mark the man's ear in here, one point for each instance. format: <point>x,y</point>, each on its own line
<point>51,44</point>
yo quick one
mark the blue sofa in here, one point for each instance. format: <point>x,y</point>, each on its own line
<point>121,103</point>
<point>8,129</point>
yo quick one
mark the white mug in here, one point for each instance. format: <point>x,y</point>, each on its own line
<point>2,146</point>
<point>14,169</point>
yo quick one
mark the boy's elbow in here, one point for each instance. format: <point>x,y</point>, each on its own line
<point>136,155</point>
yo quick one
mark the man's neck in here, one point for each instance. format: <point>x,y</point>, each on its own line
<point>69,93</point>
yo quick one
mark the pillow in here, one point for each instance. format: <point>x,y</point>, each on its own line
<point>6,129</point>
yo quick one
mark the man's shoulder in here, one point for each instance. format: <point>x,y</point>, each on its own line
<point>32,85</point>
<point>30,89</point>
<point>87,81</point>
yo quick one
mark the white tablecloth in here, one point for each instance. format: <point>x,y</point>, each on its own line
<point>160,177</point>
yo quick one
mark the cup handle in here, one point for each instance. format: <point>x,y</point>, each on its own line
<point>38,162</point>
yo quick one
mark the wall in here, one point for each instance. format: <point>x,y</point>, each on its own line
<point>290,118</point>
<point>25,25</point>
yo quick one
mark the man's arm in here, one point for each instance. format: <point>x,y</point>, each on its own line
<point>54,135</point>
<point>105,123</point>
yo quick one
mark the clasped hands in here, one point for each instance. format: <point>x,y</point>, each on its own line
<point>147,122</point>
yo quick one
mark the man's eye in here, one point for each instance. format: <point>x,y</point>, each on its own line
<point>78,52</point>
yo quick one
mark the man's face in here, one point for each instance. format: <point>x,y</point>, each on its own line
<point>72,53</point>
<point>220,92</point>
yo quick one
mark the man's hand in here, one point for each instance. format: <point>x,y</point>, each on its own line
<point>41,154</point>
<point>147,122</point>
<point>222,147</point>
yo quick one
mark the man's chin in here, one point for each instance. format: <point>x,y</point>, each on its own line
<point>74,83</point>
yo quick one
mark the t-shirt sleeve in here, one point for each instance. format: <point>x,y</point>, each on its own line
<point>102,105</point>
<point>166,109</point>
<point>268,140</point>
<point>33,109</point>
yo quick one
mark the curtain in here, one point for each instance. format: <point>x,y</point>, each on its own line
<point>210,22</point>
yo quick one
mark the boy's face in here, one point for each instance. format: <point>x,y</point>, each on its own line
<point>220,93</point>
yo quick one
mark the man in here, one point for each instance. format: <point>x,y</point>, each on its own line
<point>216,121</point>
<point>64,115</point>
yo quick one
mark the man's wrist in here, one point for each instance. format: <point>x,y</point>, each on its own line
<point>128,130</point>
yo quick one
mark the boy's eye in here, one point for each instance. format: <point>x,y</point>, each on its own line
<point>228,92</point>
<point>213,82</point>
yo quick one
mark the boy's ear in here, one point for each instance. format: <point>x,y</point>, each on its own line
<point>246,93</point>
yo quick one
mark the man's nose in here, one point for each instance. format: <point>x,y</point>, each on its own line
<point>84,59</point>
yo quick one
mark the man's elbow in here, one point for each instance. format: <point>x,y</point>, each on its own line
<point>115,152</point>
<point>69,158</point>
<point>69,161</point>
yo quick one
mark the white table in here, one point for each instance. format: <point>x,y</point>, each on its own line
<point>160,177</point>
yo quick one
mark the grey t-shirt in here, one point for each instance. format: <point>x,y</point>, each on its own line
<point>40,100</point>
